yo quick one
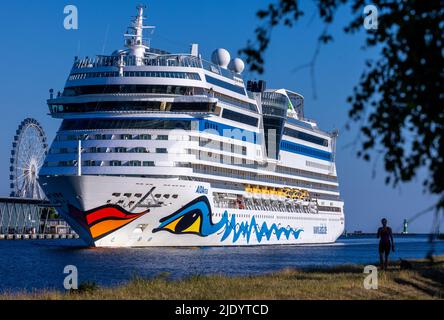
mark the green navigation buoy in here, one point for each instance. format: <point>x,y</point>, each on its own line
<point>404,229</point>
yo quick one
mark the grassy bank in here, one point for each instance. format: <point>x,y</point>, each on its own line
<point>423,281</point>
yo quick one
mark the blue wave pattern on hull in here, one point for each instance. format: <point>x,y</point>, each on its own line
<point>246,229</point>
<point>195,218</point>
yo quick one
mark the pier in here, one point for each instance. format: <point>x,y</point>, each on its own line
<point>31,219</point>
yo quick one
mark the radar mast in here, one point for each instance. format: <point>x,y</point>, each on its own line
<point>134,38</point>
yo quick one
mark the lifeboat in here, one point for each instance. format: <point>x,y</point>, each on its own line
<point>281,194</point>
<point>248,191</point>
<point>256,192</point>
<point>273,194</point>
<point>265,193</point>
<point>286,192</point>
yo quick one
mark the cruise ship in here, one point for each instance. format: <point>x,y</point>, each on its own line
<point>171,149</point>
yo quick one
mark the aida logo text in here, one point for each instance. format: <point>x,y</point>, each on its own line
<point>201,190</point>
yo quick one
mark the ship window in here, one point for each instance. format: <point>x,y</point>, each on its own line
<point>240,117</point>
<point>307,151</point>
<point>103,89</point>
<point>180,75</point>
<point>138,195</point>
<point>139,150</point>
<point>134,163</point>
<point>225,85</point>
<point>148,163</point>
<point>128,195</point>
<point>89,124</point>
<point>158,196</point>
<point>305,136</point>
<point>101,137</point>
<point>115,194</point>
<point>175,196</point>
<point>235,102</point>
<point>145,137</point>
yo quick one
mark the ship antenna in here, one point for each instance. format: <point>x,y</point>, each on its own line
<point>134,38</point>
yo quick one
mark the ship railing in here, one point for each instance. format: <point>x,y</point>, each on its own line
<point>234,103</point>
<point>293,176</point>
<point>314,126</point>
<point>261,179</point>
<point>265,205</point>
<point>154,60</point>
<point>167,60</point>
<point>307,175</point>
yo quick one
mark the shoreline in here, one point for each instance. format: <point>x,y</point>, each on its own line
<point>424,280</point>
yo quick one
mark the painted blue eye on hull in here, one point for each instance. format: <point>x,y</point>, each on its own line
<point>243,229</point>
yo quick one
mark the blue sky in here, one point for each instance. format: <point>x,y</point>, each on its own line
<point>37,54</point>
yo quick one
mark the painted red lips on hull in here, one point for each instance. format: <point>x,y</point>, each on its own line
<point>103,220</point>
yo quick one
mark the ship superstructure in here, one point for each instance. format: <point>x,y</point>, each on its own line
<point>162,149</point>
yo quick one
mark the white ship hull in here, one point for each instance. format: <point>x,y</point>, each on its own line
<point>169,149</point>
<point>112,212</point>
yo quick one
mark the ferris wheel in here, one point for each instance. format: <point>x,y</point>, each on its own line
<point>28,153</point>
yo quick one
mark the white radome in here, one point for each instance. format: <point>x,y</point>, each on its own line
<point>237,65</point>
<point>221,57</point>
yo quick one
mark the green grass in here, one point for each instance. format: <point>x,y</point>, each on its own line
<point>424,281</point>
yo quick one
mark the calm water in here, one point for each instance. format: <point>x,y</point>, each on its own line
<point>25,265</point>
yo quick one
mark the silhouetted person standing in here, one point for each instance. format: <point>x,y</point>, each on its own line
<point>385,243</point>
